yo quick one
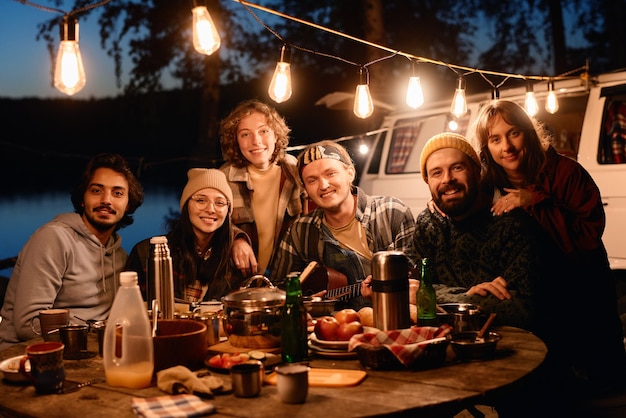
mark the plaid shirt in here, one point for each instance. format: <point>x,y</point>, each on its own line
<point>290,200</point>
<point>387,221</point>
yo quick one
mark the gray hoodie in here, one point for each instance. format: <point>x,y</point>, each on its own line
<point>63,265</point>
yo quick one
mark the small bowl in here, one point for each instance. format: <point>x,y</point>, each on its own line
<point>462,316</point>
<point>466,347</point>
<point>318,307</point>
<point>11,370</point>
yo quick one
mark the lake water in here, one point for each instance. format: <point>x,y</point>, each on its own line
<point>20,216</point>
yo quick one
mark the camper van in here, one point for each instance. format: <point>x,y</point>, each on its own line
<point>590,126</point>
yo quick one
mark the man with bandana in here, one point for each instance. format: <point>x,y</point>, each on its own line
<point>347,227</point>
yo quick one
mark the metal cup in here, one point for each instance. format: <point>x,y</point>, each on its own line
<point>74,337</point>
<point>212,322</point>
<point>247,378</point>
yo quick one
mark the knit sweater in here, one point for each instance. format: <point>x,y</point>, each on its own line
<point>479,249</point>
<point>63,265</point>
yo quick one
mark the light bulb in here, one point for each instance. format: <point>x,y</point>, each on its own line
<point>280,86</point>
<point>414,93</point>
<point>552,104</point>
<point>531,102</point>
<point>363,104</point>
<point>459,104</point>
<point>206,39</point>
<point>363,148</point>
<point>69,73</point>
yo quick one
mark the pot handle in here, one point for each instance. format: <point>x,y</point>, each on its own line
<point>257,278</point>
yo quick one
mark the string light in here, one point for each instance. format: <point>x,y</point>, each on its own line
<point>530,102</point>
<point>552,104</point>
<point>363,104</point>
<point>414,93</point>
<point>459,104</point>
<point>69,73</point>
<point>280,86</point>
<point>206,39</point>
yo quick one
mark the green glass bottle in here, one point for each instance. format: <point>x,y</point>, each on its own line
<point>293,335</point>
<point>426,298</point>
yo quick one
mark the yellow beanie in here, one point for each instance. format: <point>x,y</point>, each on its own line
<point>201,178</point>
<point>446,140</point>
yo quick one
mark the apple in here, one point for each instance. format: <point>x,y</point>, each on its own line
<point>326,328</point>
<point>345,316</point>
<point>347,330</point>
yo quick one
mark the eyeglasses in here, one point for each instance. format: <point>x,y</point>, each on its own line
<point>202,203</point>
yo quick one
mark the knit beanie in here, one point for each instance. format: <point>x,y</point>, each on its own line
<point>446,140</point>
<point>201,178</point>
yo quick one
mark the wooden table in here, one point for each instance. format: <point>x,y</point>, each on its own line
<point>436,392</point>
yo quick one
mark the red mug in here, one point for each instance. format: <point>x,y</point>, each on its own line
<point>46,366</point>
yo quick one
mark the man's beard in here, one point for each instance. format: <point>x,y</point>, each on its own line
<point>101,226</point>
<point>459,206</point>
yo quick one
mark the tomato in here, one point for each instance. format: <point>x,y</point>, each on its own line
<point>216,361</point>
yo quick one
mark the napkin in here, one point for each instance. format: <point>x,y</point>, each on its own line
<point>177,406</point>
<point>401,342</point>
<point>179,379</point>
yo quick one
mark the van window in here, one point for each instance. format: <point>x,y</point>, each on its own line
<point>409,136</point>
<point>612,144</point>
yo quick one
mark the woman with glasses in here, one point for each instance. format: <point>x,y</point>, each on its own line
<point>264,181</point>
<point>200,241</point>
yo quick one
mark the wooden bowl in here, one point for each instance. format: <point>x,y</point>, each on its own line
<point>179,342</point>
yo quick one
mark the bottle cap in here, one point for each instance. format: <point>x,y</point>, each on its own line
<point>162,239</point>
<point>128,277</point>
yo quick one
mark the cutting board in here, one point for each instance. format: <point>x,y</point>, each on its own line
<point>328,377</point>
<point>227,347</point>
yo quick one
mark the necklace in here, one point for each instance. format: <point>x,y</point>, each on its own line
<point>204,254</point>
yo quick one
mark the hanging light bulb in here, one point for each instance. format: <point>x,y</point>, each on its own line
<point>414,93</point>
<point>459,104</point>
<point>552,104</point>
<point>363,148</point>
<point>531,102</point>
<point>206,39</point>
<point>69,73</point>
<point>280,86</point>
<point>363,104</point>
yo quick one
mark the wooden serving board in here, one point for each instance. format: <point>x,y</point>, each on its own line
<point>328,377</point>
<point>227,347</point>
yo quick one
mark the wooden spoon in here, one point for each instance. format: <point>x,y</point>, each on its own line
<point>481,333</point>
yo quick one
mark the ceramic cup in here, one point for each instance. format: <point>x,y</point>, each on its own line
<point>46,366</point>
<point>292,382</point>
<point>50,320</point>
<point>247,378</point>
<point>74,337</point>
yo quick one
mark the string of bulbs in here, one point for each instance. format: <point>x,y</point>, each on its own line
<point>69,73</point>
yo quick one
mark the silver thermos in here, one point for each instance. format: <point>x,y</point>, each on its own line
<point>390,290</point>
<point>161,277</point>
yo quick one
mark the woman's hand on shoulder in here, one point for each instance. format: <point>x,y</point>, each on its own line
<point>432,206</point>
<point>515,198</point>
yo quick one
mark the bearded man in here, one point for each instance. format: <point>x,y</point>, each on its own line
<point>475,257</point>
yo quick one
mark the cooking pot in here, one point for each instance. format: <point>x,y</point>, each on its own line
<point>252,314</point>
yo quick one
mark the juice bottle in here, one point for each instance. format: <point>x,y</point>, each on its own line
<point>128,350</point>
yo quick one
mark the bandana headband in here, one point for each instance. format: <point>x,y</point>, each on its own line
<point>319,152</point>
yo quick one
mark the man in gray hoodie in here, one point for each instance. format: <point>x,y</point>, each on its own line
<point>74,261</point>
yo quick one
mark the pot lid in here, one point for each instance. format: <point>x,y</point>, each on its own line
<point>255,297</point>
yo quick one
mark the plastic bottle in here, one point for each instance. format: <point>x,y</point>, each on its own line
<point>128,348</point>
<point>161,277</point>
<point>293,329</point>
<point>426,298</point>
